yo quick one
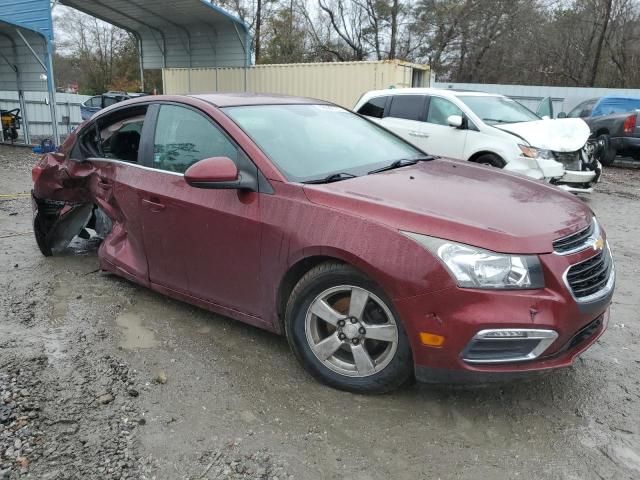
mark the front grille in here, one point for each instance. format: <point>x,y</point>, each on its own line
<point>570,160</point>
<point>575,241</point>
<point>591,276</point>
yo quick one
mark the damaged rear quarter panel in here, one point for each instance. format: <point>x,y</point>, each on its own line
<point>108,186</point>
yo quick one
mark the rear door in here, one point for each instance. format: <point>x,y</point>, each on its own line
<point>405,116</point>
<point>118,178</point>
<point>201,242</point>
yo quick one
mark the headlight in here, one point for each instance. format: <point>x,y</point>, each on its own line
<point>532,152</point>
<point>473,267</point>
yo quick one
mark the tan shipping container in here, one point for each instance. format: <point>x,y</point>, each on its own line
<point>341,83</point>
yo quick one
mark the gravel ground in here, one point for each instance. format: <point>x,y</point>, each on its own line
<point>102,379</point>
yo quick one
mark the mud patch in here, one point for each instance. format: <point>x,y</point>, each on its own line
<point>134,334</point>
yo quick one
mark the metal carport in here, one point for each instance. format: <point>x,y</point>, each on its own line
<point>26,49</point>
<point>178,33</point>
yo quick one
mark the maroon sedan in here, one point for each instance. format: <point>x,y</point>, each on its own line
<point>378,262</point>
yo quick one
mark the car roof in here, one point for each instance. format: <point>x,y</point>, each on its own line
<point>246,98</point>
<point>445,92</point>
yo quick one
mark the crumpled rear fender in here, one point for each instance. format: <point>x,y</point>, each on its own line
<point>67,199</point>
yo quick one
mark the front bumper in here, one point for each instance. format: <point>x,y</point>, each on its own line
<point>459,314</point>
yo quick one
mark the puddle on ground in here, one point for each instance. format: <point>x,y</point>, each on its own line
<point>134,334</point>
<point>61,293</point>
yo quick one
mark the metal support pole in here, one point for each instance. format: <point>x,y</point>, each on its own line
<point>51,86</point>
<point>25,118</point>
<point>141,63</point>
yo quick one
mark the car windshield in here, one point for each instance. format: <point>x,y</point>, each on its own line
<point>496,110</point>
<point>311,142</point>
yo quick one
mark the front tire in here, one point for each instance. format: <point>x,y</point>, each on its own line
<point>491,160</point>
<point>345,332</point>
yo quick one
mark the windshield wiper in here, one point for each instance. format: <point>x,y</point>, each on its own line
<point>495,120</point>
<point>334,177</point>
<point>403,162</point>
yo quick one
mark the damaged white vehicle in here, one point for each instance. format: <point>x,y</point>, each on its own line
<point>488,129</point>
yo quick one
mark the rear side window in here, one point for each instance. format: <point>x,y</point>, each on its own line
<point>610,106</point>
<point>108,101</point>
<point>440,110</point>
<point>409,107</point>
<point>184,137</point>
<point>121,140</point>
<point>374,107</point>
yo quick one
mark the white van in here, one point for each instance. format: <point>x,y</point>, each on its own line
<point>488,129</point>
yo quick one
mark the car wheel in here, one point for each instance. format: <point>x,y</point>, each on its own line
<point>491,160</point>
<point>345,332</point>
<point>41,226</point>
<point>607,151</point>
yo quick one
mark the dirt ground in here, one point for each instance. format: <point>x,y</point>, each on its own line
<point>102,379</point>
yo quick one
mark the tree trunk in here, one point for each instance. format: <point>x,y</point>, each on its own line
<point>394,29</point>
<point>603,32</point>
<point>258,25</point>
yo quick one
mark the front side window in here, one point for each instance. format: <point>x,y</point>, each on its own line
<point>94,102</point>
<point>440,110</point>
<point>583,109</point>
<point>409,107</point>
<point>374,107</point>
<point>184,137</point>
<point>494,110</point>
<point>310,142</point>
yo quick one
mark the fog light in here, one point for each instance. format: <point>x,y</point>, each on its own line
<point>431,339</point>
<point>508,345</point>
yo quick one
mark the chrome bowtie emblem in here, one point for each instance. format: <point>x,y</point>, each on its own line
<point>598,244</point>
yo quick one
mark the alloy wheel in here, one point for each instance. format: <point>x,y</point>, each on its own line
<point>351,331</point>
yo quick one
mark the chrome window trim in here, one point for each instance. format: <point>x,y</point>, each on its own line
<point>546,337</point>
<point>588,242</point>
<point>600,293</point>
<point>131,164</point>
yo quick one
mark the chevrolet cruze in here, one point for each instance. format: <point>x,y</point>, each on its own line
<point>378,262</point>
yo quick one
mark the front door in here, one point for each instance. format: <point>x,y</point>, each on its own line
<point>440,138</point>
<point>202,242</point>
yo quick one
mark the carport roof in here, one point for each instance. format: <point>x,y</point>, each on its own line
<point>176,33</point>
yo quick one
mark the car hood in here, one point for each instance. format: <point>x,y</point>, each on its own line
<point>462,202</point>
<point>561,135</point>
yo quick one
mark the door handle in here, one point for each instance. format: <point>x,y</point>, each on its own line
<point>104,185</point>
<point>154,206</point>
<point>415,133</point>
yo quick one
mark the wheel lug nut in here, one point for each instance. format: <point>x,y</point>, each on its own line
<point>362,331</point>
<point>354,320</point>
<point>341,323</point>
<point>355,341</point>
<point>342,336</point>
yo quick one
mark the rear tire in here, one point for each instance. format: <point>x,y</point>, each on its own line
<point>491,160</point>
<point>607,151</point>
<point>41,226</point>
<point>337,345</point>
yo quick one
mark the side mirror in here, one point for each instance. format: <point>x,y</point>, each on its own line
<point>562,115</point>
<point>455,121</point>
<point>215,172</point>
